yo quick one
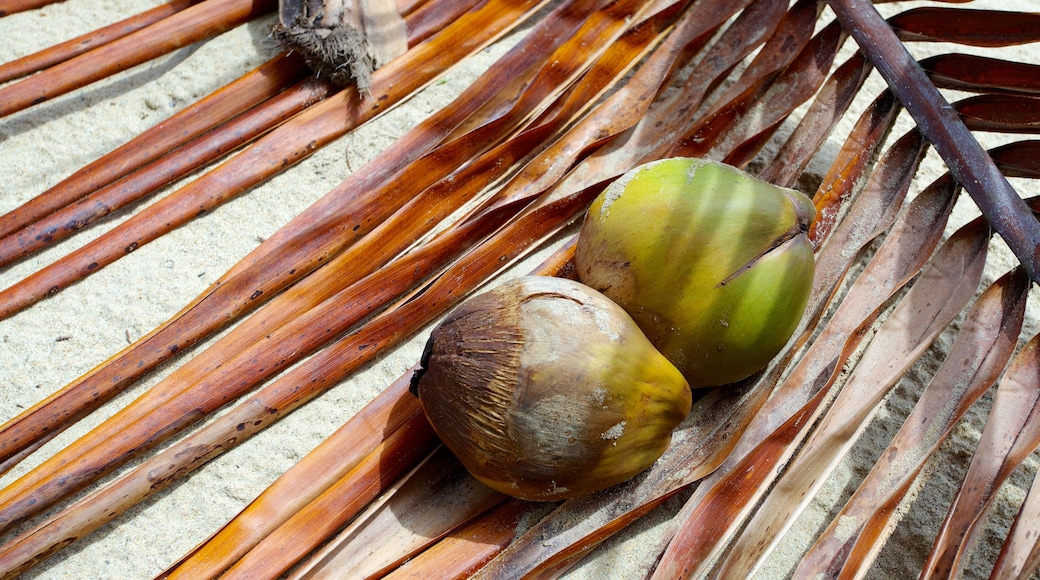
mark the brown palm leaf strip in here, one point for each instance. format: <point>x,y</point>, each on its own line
<point>217,142</point>
<point>990,190</point>
<point>300,137</point>
<point>346,448</point>
<point>332,461</point>
<point>1019,557</point>
<point>230,296</point>
<point>979,354</point>
<point>257,86</point>
<point>554,547</point>
<point>437,496</point>
<point>716,419</point>
<point>730,493</point>
<point>203,20</point>
<point>349,353</point>
<point>465,550</point>
<point>478,172</point>
<point>862,392</point>
<point>63,51</point>
<point>1011,434</point>
<point>196,120</point>
<point>783,46</point>
<point>769,109</point>
<point>968,72</point>
<point>259,411</point>
<point>13,6</point>
<point>585,133</point>
<point>702,555</point>
<point>942,290</point>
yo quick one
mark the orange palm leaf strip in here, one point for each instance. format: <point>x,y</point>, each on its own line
<point>606,118</point>
<point>464,551</point>
<point>474,176</point>
<point>258,85</point>
<point>63,51</point>
<point>230,296</point>
<point>201,21</point>
<point>436,497</point>
<point>166,136</point>
<point>250,416</point>
<point>331,460</point>
<point>13,6</point>
<point>319,470</point>
<point>291,142</point>
<point>390,238</point>
<point>215,144</point>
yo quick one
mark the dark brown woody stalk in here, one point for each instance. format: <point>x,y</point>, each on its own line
<point>968,163</point>
<point>201,21</point>
<point>61,52</point>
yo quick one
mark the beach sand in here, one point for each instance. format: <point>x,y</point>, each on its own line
<point>64,336</point>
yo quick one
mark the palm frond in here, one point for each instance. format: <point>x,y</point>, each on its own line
<point>308,287</point>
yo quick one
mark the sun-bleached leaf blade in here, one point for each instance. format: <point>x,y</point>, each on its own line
<point>982,349</point>
<point>1020,556</point>
<point>464,551</point>
<point>436,498</point>
<point>1012,432</point>
<point>943,288</point>
<point>721,503</point>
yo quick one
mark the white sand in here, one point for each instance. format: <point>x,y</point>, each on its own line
<point>57,340</point>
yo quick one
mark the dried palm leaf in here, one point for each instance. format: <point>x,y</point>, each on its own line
<point>336,271</point>
<point>982,350</point>
<point>195,23</point>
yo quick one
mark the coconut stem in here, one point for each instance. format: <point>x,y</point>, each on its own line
<point>968,162</point>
